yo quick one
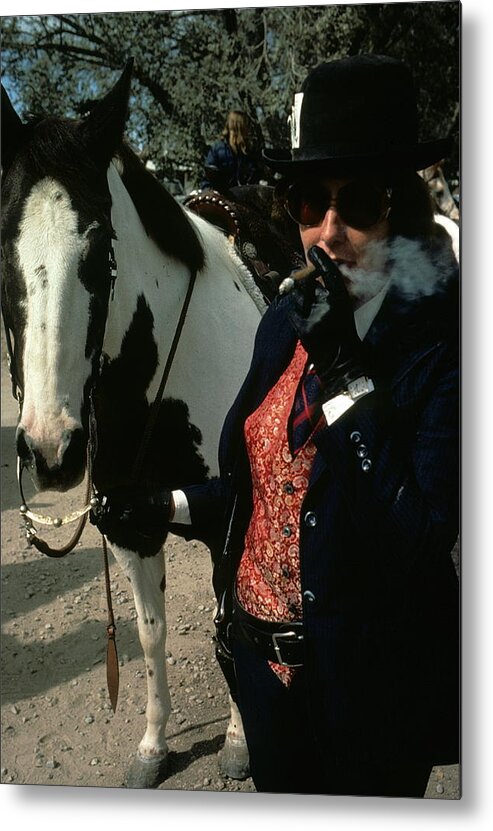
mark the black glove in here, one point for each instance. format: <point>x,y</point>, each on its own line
<point>135,517</point>
<point>323,318</point>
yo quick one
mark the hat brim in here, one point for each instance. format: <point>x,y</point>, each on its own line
<point>419,157</point>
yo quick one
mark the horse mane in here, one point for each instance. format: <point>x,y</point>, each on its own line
<point>162,216</point>
<point>56,147</point>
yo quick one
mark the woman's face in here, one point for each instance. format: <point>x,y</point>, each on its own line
<point>360,254</point>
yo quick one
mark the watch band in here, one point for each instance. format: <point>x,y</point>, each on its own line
<point>335,407</point>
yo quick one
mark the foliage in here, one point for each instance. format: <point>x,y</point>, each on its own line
<point>191,67</point>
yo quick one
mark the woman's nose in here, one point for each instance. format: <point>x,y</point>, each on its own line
<point>332,228</point>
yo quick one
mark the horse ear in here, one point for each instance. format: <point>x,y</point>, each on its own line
<point>102,130</point>
<point>12,129</point>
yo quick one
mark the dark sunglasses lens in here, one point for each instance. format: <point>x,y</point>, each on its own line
<point>361,204</point>
<point>307,205</point>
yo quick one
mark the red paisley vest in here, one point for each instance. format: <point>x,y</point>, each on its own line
<point>268,578</point>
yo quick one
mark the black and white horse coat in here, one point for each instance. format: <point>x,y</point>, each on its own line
<point>71,194</point>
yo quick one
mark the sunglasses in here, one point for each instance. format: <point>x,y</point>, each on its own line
<point>359,204</point>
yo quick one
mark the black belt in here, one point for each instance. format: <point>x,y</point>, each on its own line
<point>280,642</point>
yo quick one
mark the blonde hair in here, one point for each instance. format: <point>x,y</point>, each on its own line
<point>236,131</point>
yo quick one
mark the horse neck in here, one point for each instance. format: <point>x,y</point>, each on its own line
<point>215,346</point>
<point>142,271</point>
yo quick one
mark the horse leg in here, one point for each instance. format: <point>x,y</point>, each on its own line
<point>233,759</point>
<point>147,577</point>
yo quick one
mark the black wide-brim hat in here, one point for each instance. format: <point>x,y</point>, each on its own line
<point>354,114</point>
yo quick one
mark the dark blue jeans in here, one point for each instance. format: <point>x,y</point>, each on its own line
<point>285,756</point>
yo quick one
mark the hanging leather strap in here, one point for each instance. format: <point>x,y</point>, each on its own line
<point>112,667</point>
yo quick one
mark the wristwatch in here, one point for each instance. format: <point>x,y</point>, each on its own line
<point>335,407</point>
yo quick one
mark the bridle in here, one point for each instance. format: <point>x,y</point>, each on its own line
<point>92,500</point>
<point>28,515</point>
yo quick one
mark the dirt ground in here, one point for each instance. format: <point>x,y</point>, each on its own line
<point>57,726</point>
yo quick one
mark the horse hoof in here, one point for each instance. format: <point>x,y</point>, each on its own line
<point>234,761</point>
<point>147,773</point>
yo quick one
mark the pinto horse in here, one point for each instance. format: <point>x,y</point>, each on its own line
<point>97,260</point>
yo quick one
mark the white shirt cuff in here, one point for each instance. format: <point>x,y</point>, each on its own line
<point>182,511</point>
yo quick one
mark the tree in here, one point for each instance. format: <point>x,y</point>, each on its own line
<point>191,67</point>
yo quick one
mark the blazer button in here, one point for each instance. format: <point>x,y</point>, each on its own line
<point>310,519</point>
<point>355,437</point>
<point>308,596</point>
<point>362,451</point>
<point>366,465</point>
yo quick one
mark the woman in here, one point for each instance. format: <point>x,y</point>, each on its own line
<point>332,522</point>
<point>230,161</point>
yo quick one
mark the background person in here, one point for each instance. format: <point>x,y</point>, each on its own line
<point>231,162</point>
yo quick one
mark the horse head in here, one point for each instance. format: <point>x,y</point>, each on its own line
<point>56,246</point>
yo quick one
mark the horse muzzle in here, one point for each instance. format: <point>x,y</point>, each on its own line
<point>55,464</point>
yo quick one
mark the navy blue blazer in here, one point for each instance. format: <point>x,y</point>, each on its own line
<point>233,169</point>
<point>379,588</point>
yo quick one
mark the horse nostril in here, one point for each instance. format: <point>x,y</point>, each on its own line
<point>65,441</point>
<point>74,447</point>
<point>25,450</point>
<point>67,453</point>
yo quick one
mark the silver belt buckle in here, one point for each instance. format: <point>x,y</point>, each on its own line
<point>277,650</point>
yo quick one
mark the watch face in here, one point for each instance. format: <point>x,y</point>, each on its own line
<point>361,386</point>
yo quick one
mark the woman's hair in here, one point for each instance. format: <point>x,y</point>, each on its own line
<point>411,212</point>
<point>236,131</point>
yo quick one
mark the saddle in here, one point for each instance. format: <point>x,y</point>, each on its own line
<point>246,216</point>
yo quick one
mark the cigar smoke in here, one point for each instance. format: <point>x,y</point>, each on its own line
<point>401,262</point>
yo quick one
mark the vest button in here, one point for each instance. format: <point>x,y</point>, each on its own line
<point>309,597</point>
<point>355,437</point>
<point>288,487</point>
<point>285,571</point>
<point>286,531</point>
<point>310,519</point>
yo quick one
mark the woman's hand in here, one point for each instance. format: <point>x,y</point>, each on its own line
<point>323,318</point>
<point>136,517</point>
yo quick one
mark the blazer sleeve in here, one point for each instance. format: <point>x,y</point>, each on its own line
<point>207,503</point>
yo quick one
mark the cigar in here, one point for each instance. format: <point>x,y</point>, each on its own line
<point>303,275</point>
<point>322,266</point>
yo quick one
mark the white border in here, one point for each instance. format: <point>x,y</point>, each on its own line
<point>56,809</point>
